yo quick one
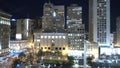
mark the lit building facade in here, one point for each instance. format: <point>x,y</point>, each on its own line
<point>24,27</point>
<point>18,45</point>
<point>53,17</point>
<point>75,30</point>
<point>118,31</point>
<point>47,15</point>
<point>4,32</point>
<point>21,34</point>
<point>52,37</point>
<point>99,22</point>
<point>51,41</point>
<point>92,49</point>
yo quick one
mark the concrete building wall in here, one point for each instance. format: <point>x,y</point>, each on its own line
<point>4,32</point>
<point>99,21</point>
<point>24,27</point>
<point>53,17</point>
<point>118,31</point>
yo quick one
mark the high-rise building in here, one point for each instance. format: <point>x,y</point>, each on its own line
<point>37,23</point>
<point>4,32</point>
<point>47,11</point>
<point>99,22</point>
<point>13,29</point>
<point>52,38</point>
<point>53,17</point>
<point>76,30</point>
<point>24,28</point>
<point>74,12</point>
<point>118,32</point>
<point>59,18</point>
<point>21,34</point>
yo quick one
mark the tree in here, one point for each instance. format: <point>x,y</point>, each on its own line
<point>89,60</point>
<point>40,53</point>
<point>22,56</point>
<point>30,58</point>
<point>70,60</point>
<point>15,62</point>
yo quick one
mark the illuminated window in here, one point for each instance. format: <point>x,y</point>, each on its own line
<point>38,40</point>
<point>80,39</point>
<point>52,36</point>
<point>68,26</point>
<point>56,36</point>
<point>49,37</point>
<point>54,14</point>
<point>68,34</point>
<point>41,36</point>
<point>45,36</point>
<point>53,41</point>
<point>59,36</point>
<point>63,37</point>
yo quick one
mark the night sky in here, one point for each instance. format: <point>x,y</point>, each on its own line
<point>33,8</point>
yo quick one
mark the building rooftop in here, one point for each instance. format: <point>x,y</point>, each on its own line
<point>5,14</point>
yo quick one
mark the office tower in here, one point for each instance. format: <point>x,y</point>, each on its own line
<point>13,29</point>
<point>24,28</point>
<point>118,31</point>
<point>99,22</point>
<point>37,23</point>
<point>75,29</point>
<point>4,32</point>
<point>52,38</point>
<point>53,18</point>
<point>47,10</point>
<point>59,18</point>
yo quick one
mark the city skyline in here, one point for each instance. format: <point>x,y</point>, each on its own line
<point>32,9</point>
<point>49,33</point>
